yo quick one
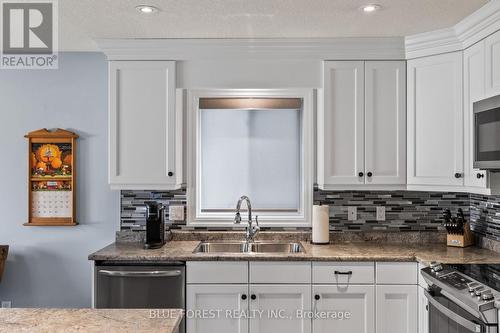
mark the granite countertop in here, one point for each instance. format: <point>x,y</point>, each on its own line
<point>345,251</point>
<point>89,321</point>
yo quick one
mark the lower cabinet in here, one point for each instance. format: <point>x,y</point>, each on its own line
<point>350,308</point>
<point>396,308</point>
<point>326,297</point>
<point>423,312</point>
<point>216,308</point>
<point>280,308</point>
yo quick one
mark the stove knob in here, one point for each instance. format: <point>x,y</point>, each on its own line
<point>478,290</point>
<point>497,303</point>
<point>436,267</point>
<point>487,295</point>
<point>472,286</point>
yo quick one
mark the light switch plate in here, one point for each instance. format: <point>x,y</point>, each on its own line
<point>352,213</point>
<point>380,213</point>
<point>6,304</point>
<point>176,213</point>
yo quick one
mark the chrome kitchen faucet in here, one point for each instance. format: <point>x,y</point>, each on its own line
<point>251,230</point>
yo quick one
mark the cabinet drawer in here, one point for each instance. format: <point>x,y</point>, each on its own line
<point>396,273</point>
<point>343,272</point>
<point>280,272</point>
<point>216,272</point>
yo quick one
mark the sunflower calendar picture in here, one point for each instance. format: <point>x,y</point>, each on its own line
<point>51,177</point>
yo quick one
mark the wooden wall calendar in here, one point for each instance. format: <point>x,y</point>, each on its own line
<point>51,178</point>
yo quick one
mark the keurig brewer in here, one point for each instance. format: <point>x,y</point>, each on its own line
<point>155,225</point>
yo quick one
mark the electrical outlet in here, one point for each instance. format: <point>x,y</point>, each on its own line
<point>352,213</point>
<point>6,304</point>
<point>176,213</point>
<point>380,213</point>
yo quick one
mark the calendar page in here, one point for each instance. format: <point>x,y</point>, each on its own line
<point>52,199</point>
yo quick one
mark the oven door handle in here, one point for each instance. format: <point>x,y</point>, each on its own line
<point>140,273</point>
<point>471,326</point>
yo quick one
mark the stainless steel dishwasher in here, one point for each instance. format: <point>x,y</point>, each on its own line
<point>136,286</point>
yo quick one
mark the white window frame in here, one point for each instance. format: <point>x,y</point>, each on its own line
<point>196,217</point>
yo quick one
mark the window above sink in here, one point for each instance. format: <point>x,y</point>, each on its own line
<point>250,142</point>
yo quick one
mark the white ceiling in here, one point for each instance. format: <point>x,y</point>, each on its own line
<point>80,21</point>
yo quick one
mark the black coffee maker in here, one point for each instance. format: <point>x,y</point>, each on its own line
<point>155,225</point>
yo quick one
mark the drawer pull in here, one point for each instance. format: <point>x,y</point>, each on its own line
<point>343,273</point>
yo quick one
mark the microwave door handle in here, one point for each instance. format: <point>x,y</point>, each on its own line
<point>471,326</point>
<point>151,274</point>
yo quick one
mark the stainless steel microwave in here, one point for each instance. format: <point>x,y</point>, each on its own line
<point>487,134</point>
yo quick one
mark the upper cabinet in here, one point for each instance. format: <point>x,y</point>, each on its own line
<point>362,124</point>
<point>341,123</point>
<point>385,122</point>
<point>474,90</point>
<point>145,126</point>
<point>435,120</point>
<point>492,47</point>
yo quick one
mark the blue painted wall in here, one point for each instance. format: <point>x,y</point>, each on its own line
<point>47,266</point>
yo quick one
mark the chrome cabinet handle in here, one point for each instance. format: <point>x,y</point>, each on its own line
<point>471,326</point>
<point>140,273</point>
<point>343,273</point>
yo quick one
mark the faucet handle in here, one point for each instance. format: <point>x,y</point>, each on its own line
<point>256,228</point>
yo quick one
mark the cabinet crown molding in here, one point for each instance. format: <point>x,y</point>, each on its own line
<point>472,29</point>
<point>376,48</point>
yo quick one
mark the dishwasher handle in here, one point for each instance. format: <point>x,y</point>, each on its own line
<point>151,274</point>
<point>470,325</point>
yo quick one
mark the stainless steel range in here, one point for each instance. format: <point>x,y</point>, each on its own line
<point>462,298</point>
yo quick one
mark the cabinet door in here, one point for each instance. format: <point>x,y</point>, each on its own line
<point>206,307</point>
<point>474,90</point>
<point>435,120</point>
<point>396,309</point>
<point>276,308</point>
<point>385,122</point>
<point>341,124</point>
<point>144,131</point>
<point>492,44</point>
<point>358,302</point>
<point>423,312</point>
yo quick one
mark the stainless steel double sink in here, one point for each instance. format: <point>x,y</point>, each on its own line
<point>253,247</point>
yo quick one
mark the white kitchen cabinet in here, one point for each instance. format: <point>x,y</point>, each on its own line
<point>210,308</point>
<point>343,272</point>
<point>397,273</point>
<point>267,272</point>
<point>474,90</point>
<point>435,120</point>
<point>341,124</point>
<point>423,312</point>
<point>492,46</point>
<point>362,124</point>
<point>276,308</point>
<point>385,122</point>
<point>145,126</point>
<point>396,309</point>
<point>360,297</point>
<point>355,301</point>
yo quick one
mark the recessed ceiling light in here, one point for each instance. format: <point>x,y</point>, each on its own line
<point>370,8</point>
<point>146,9</point>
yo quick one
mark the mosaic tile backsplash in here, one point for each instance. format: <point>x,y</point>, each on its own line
<point>485,215</point>
<point>405,210</point>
